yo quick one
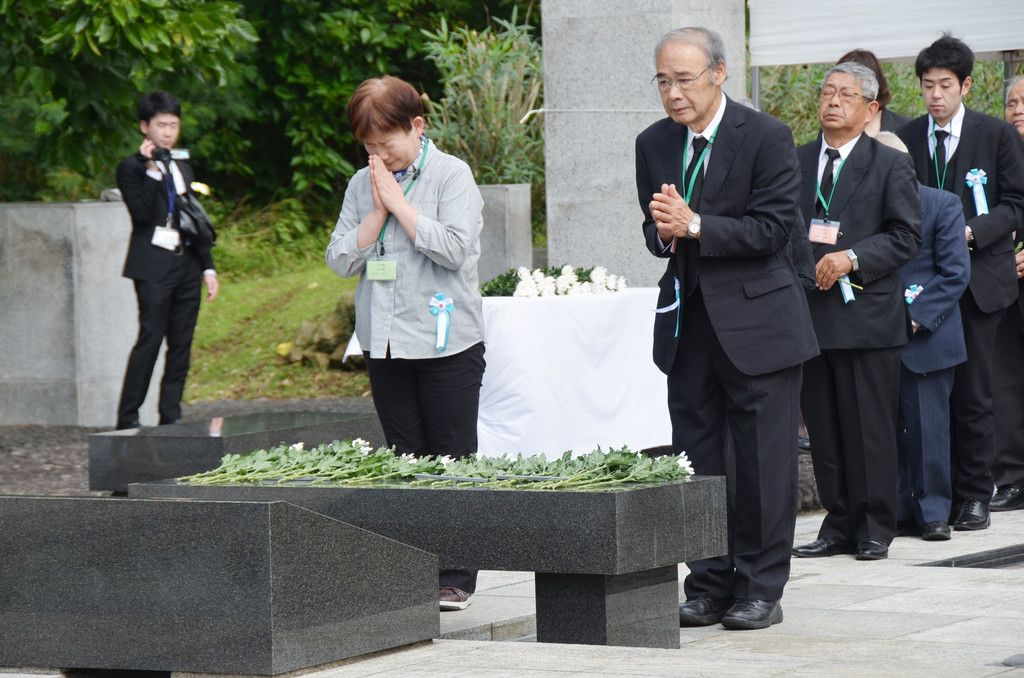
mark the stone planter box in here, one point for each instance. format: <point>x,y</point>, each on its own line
<point>117,458</point>
<point>606,562</point>
<point>506,240</point>
<point>208,587</point>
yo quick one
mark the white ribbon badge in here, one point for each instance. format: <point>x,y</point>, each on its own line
<point>441,308</point>
<point>976,180</point>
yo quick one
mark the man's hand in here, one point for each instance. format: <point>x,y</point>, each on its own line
<point>672,216</point>
<point>830,268</point>
<point>212,286</point>
<point>1018,258</point>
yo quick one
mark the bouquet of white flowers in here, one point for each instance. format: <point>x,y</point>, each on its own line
<point>553,281</point>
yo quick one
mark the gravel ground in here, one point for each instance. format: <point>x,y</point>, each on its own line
<point>53,460</point>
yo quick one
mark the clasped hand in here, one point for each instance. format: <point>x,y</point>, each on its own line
<point>387,194</point>
<point>672,216</point>
<point>830,268</point>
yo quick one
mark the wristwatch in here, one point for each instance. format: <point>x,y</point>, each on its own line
<point>693,230</point>
<point>853,259</point>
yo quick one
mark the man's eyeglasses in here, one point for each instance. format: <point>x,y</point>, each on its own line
<point>847,96</point>
<point>666,84</point>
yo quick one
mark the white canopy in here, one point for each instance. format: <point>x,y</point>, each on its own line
<point>820,31</point>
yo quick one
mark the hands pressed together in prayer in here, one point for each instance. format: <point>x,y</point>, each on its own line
<point>672,216</point>
<point>388,198</point>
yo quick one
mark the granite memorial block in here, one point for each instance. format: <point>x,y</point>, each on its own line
<point>117,458</point>
<point>613,549</point>
<point>208,587</point>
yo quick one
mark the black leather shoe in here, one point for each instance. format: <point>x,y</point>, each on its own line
<point>937,531</point>
<point>973,515</point>
<point>703,611</point>
<point>872,550</point>
<point>822,548</point>
<point>125,425</point>
<point>1008,498</point>
<point>752,614</point>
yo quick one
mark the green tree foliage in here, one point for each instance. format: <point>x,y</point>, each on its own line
<point>70,70</point>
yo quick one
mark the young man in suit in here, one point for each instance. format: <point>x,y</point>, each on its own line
<point>1008,377</point>
<point>951,146</point>
<point>933,283</point>
<point>865,223</point>
<point>167,267</point>
<point>717,183</point>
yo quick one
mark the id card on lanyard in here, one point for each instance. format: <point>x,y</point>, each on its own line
<point>167,237</point>
<point>825,231</point>
<point>383,269</point>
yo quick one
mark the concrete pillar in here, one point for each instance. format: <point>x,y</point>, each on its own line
<point>67,318</point>
<point>598,66</point>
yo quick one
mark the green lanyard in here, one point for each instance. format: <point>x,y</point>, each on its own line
<point>935,156</point>
<point>415,176</point>
<point>835,182</point>
<point>699,166</point>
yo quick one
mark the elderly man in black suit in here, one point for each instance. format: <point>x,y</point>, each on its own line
<point>976,157</point>
<point>865,223</point>
<point>717,183</point>
<point>167,267</point>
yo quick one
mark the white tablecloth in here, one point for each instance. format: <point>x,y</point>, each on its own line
<point>570,373</point>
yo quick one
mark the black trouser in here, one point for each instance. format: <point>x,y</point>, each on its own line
<point>168,310</point>
<point>973,424</point>
<point>1008,399</point>
<point>711,402</point>
<point>430,406</point>
<point>850,400</point>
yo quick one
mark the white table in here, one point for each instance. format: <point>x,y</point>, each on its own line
<point>570,373</point>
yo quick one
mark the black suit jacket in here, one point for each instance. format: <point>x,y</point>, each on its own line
<point>877,204</point>
<point>146,200</point>
<point>994,146</point>
<point>748,210</point>
<point>891,122</point>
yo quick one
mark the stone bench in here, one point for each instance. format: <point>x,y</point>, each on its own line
<point>606,563</point>
<point>117,458</point>
<point>208,587</point>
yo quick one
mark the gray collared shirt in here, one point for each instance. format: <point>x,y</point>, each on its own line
<point>442,259</point>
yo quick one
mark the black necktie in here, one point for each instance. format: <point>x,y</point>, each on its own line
<point>940,157</point>
<point>696,165</point>
<point>827,179</point>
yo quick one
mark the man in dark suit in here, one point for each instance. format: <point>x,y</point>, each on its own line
<point>867,226</point>
<point>717,183</point>
<point>168,268</point>
<point>952,146</point>
<point>933,283</point>
<point>1008,375</point>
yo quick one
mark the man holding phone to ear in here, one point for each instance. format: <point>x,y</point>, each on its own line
<point>167,267</point>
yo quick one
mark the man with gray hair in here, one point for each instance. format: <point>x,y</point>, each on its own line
<point>864,220</point>
<point>717,183</point>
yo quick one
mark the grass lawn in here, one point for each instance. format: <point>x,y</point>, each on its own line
<point>233,351</point>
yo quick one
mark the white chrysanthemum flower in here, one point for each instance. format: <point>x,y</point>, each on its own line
<point>538,276</point>
<point>598,275</point>
<point>548,288</point>
<point>621,284</point>
<point>568,270</point>
<point>610,281</point>
<point>523,273</point>
<point>684,463</point>
<point>363,446</point>
<point>446,459</point>
<point>564,282</point>
<point>586,288</point>
<point>299,446</point>
<point>526,288</point>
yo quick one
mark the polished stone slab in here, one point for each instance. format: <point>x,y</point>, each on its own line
<point>611,550</point>
<point>117,458</point>
<point>214,587</point>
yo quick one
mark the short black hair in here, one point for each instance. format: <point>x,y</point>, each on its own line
<point>946,52</point>
<point>153,103</point>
